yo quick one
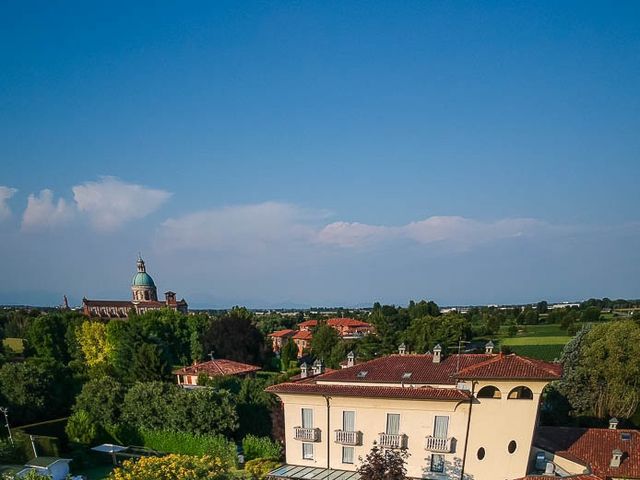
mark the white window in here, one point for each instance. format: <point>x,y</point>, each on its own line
<point>440,427</point>
<point>437,463</point>
<point>307,418</point>
<point>393,424</point>
<point>307,451</point>
<point>347,454</point>
<point>349,421</point>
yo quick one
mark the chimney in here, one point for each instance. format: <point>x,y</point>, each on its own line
<point>318,368</point>
<point>304,370</point>
<point>616,458</point>
<point>613,423</point>
<point>488,348</point>
<point>437,354</point>
<point>351,359</point>
<point>402,349</point>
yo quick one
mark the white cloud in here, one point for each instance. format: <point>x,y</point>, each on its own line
<point>110,202</point>
<point>43,212</point>
<point>450,231</point>
<point>279,227</point>
<point>5,194</point>
<point>240,227</point>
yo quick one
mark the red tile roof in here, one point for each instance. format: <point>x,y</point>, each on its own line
<point>424,393</point>
<point>390,369</point>
<point>336,322</point>
<point>215,368</point>
<point>594,447</point>
<point>512,366</point>
<point>287,332</point>
<point>572,477</point>
<point>303,335</point>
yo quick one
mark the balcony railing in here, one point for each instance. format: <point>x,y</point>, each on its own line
<point>346,437</point>
<point>388,440</point>
<point>307,434</point>
<point>436,444</point>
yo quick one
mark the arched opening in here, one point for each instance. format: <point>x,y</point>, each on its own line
<point>146,295</point>
<point>521,393</point>
<point>489,392</point>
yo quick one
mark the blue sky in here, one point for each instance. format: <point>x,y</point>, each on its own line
<point>305,153</point>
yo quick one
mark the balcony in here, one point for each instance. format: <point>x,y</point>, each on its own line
<point>388,440</point>
<point>346,437</point>
<point>438,445</point>
<point>307,434</point>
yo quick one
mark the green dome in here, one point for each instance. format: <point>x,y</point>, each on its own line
<point>142,279</point>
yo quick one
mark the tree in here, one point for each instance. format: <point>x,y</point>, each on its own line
<point>171,467</point>
<point>602,370</point>
<point>149,363</point>
<point>92,337</point>
<point>46,337</point>
<point>159,405</point>
<point>35,390</point>
<point>384,464</point>
<point>425,332</point>
<point>81,428</point>
<point>590,315</point>
<point>101,398</point>
<point>288,353</point>
<point>325,338</point>
<point>234,336</point>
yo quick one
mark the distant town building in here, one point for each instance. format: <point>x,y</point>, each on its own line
<point>188,376</point>
<point>144,298</point>
<point>348,328</point>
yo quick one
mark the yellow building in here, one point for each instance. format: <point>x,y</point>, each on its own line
<point>468,414</point>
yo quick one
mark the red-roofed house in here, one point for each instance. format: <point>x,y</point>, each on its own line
<point>606,454</point>
<point>188,376</point>
<point>279,338</point>
<point>346,327</point>
<point>461,416</point>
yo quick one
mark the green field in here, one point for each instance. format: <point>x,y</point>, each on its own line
<point>544,342</point>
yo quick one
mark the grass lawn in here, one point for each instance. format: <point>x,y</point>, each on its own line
<point>559,340</point>
<point>15,344</point>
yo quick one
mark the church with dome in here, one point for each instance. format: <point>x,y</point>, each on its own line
<point>144,297</point>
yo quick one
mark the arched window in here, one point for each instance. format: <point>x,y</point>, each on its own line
<point>489,392</point>
<point>521,393</point>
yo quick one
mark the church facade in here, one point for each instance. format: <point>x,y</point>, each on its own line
<point>144,297</point>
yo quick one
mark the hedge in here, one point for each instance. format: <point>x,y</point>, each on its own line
<point>261,447</point>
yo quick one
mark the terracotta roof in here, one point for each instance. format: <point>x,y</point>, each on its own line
<point>337,322</point>
<point>571,477</point>
<point>303,335</point>
<point>282,333</point>
<point>107,303</point>
<point>512,366</point>
<point>424,393</point>
<point>217,367</point>
<point>391,368</point>
<point>594,447</point>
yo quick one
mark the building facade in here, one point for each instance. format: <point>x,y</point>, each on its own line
<point>144,297</point>
<point>467,416</point>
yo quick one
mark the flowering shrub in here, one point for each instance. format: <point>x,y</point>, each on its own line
<point>259,467</point>
<point>171,467</point>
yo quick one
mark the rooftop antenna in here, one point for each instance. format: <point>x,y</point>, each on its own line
<point>460,344</point>
<point>5,411</point>
<point>210,355</point>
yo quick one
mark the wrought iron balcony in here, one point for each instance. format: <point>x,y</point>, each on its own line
<point>388,440</point>
<point>440,445</point>
<point>346,437</point>
<point>307,434</point>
